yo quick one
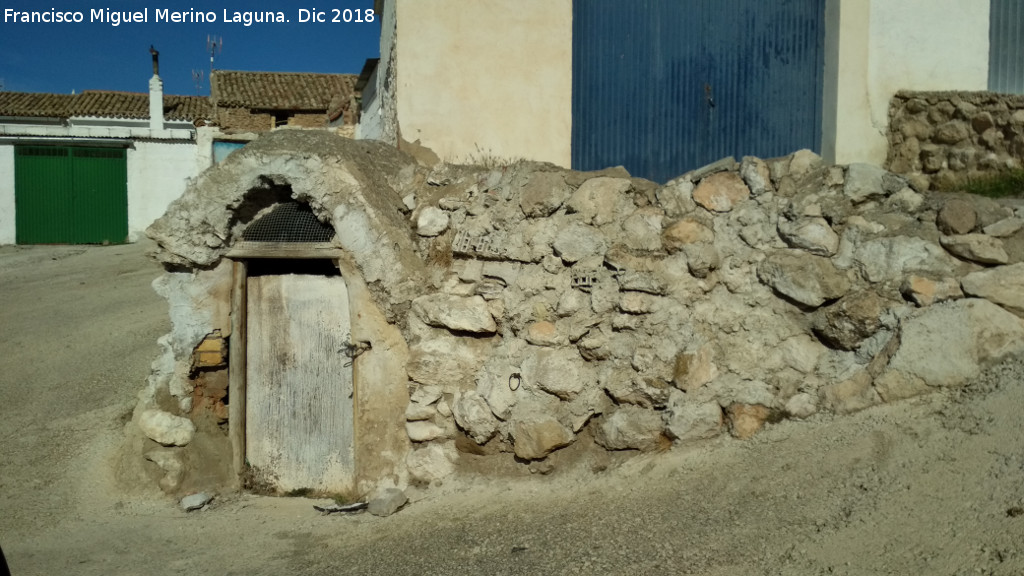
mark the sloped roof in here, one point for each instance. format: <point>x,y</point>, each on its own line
<point>280,90</point>
<point>100,103</point>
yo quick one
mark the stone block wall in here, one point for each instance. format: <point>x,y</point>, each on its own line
<point>936,139</point>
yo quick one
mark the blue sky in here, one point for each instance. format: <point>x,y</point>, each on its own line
<point>61,57</point>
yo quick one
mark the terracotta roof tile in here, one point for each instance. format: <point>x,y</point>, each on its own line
<point>280,90</point>
<point>100,103</point>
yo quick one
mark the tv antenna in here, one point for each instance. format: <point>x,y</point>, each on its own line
<point>214,45</point>
<point>197,79</point>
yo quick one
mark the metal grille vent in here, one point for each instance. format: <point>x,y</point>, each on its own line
<point>289,222</point>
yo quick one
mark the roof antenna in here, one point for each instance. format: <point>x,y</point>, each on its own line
<point>197,79</point>
<point>214,45</point>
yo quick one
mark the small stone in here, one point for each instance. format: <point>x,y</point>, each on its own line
<point>166,428</point>
<point>951,133</point>
<point>956,217</point>
<point>978,248</point>
<point>694,369</point>
<point>558,371</point>
<point>801,406</point>
<point>850,395</point>
<point>807,279</point>
<point>803,162</point>
<point>853,318</point>
<point>721,192</point>
<point>925,291</point>
<point>597,199</point>
<point>686,420</point>
<point>416,412</point>
<point>195,501</point>
<point>642,230</point>
<point>430,463</point>
<point>756,174</point>
<point>635,303</point>
<point>431,221</point>
<point>388,503</point>
<point>745,420</point>
<point>576,242</point>
<point>544,194</point>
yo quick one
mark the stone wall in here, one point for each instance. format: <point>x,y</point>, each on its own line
<point>242,120</point>
<point>936,139</point>
<point>543,307</point>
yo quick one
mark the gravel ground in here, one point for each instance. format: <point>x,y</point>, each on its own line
<point>927,486</point>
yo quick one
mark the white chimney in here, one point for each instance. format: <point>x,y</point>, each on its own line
<point>156,95</point>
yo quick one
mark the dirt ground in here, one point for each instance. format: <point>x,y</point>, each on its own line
<point>929,486</point>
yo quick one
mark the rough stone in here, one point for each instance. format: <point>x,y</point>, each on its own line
<point>850,395</point>
<point>170,461</point>
<point>443,361</point>
<point>801,406</point>
<point>598,199</point>
<point>166,428</point>
<point>195,501</point>
<point>956,217</point>
<point>684,232</point>
<point>979,248</point>
<point>803,162</point>
<point>558,371</point>
<point>635,303</point>
<point>576,242</point>
<point>630,428</point>
<point>423,431</point>
<point>473,414</point>
<point>701,259</point>
<point>853,318</point>
<point>416,412</point>
<point>1003,285</point>
<point>721,192</point>
<point>388,503</point>
<point>893,258</point>
<point>949,343</point>
<point>431,463</point>
<point>745,420</point>
<point>642,229</point>
<point>807,279</point>
<point>925,291</point>
<point>721,165</point>
<point>544,334</point>
<point>694,369</point>
<point>431,221</point>
<point>677,199</point>
<point>687,420</point>
<point>951,132</point>
<point>539,435</point>
<point>1005,227</point>
<point>757,176</point>
<point>456,313</point>
<point>544,194</point>
<point>813,235</point>
<point>801,353</point>
<point>864,182</point>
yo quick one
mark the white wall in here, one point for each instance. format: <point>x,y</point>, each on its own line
<point>487,78</point>
<point>157,175</point>
<point>7,229</point>
<point>884,46</point>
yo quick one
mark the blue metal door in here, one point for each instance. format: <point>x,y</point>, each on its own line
<point>665,86</point>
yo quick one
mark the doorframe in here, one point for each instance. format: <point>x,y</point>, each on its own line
<point>240,254</point>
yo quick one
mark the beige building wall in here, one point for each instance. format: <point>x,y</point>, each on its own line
<point>486,78</point>
<point>883,46</point>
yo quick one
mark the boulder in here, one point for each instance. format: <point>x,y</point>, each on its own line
<point>538,435</point>
<point>1003,285</point>
<point>694,369</point>
<point>630,428</point>
<point>642,230</point>
<point>864,182</point>
<point>807,279</point>
<point>853,318</point>
<point>745,420</point>
<point>430,463</point>
<point>166,428</point>
<point>949,343</point>
<point>561,371</point>
<point>721,192</point>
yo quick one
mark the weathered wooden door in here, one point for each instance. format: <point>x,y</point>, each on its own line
<point>299,431</point>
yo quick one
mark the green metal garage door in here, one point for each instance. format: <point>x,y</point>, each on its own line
<point>70,195</point>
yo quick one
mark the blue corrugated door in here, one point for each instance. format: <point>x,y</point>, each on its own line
<point>665,86</point>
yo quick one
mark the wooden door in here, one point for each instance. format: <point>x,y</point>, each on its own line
<point>299,431</point>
